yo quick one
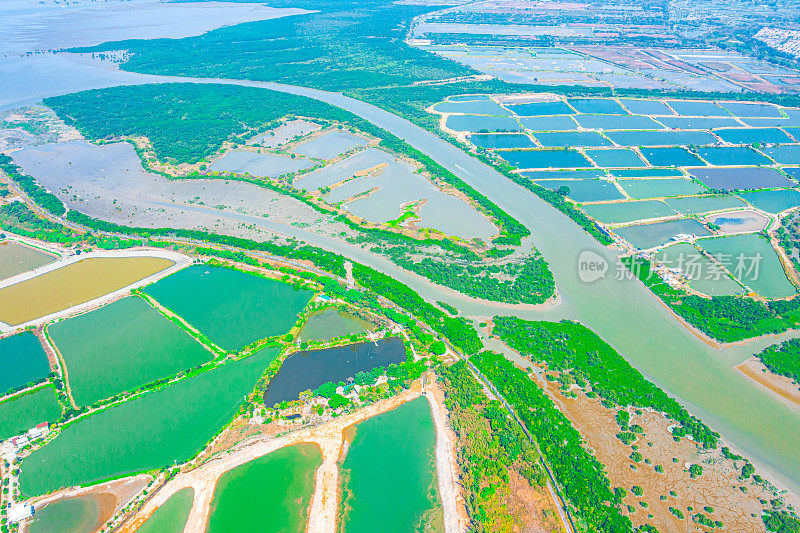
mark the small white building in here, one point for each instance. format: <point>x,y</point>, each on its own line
<point>18,513</point>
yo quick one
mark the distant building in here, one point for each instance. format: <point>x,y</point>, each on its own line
<point>18,513</point>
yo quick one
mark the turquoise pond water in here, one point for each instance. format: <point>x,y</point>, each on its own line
<point>566,139</point>
<point>646,107</point>
<point>615,157</point>
<point>585,190</point>
<point>753,135</point>
<point>628,211</point>
<point>22,360</point>
<point>645,236</point>
<point>546,159</point>
<point>597,106</point>
<point>675,156</point>
<point>549,123</point>
<point>479,123</point>
<point>731,155</point>
<point>654,188</point>
<point>541,108</point>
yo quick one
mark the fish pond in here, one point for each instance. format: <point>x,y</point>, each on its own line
<point>645,236</point>
<point>615,157</point>
<point>753,135</point>
<point>73,284</point>
<point>79,514</point>
<point>231,307</point>
<point>329,323</point>
<point>474,107</point>
<point>617,122</point>
<point>120,347</point>
<point>501,140</point>
<point>739,221</point>
<point>172,515</point>
<point>700,271</point>
<point>557,107</point>
<point>22,361</point>
<point>751,260</point>
<point>564,174</point>
<point>308,370</point>
<point>286,132</point>
<point>646,107</point>
<point>697,108</point>
<point>773,201</point>
<point>746,109</point>
<point>16,258</point>
<point>477,123</point>
<point>342,170</point>
<point>24,412</point>
<point>330,145</point>
<point>263,165</point>
<point>660,138</point>
<point>741,178</point>
<point>565,139</point>
<point>597,106</point>
<point>670,157</point>
<point>549,123</point>
<point>271,493</point>
<point>703,204</point>
<point>151,431</point>
<point>391,454</point>
<point>655,188</point>
<point>585,190</point>
<point>784,154</point>
<point>732,155</point>
<point>621,212</point>
<point>545,159</point>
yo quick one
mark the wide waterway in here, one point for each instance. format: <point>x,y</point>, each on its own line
<point>622,311</point>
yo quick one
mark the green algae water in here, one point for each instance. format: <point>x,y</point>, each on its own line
<point>388,473</point>
<point>172,515</point>
<point>154,430</point>
<point>327,324</point>
<point>22,361</point>
<point>270,494</point>
<point>122,346</point>
<point>21,413</point>
<point>233,308</point>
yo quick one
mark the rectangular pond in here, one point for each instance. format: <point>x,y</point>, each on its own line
<point>672,156</point>
<point>661,138</point>
<point>25,412</point>
<point>753,135</point>
<point>773,201</point>
<point>330,145</point>
<point>565,174</point>
<point>566,139</point>
<point>391,454</point>
<point>16,258</point>
<point>646,107</point>
<point>285,133</point>
<point>741,178</point>
<point>549,123</point>
<point>501,140</point>
<point>731,155</point>
<point>621,212</point>
<point>617,122</point>
<point>73,284</point>
<point>646,236</point>
<point>702,274</point>
<point>604,106</point>
<point>585,190</point>
<point>703,204</point>
<point>557,107</point>
<point>307,370</point>
<point>330,323</point>
<point>231,307</point>
<point>477,123</point>
<point>746,109</point>
<point>545,159</point>
<point>615,158</point>
<point>647,173</point>
<point>784,154</point>
<point>122,346</point>
<point>476,107</point>
<point>152,431</point>
<point>655,188</point>
<point>751,260</point>
<point>262,165</point>
<point>697,108</point>
<point>699,123</point>
<point>271,493</point>
<point>22,361</point>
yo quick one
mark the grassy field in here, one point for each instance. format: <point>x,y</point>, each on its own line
<point>120,347</point>
<point>155,430</point>
<point>24,412</point>
<point>232,308</point>
<point>271,493</point>
<point>72,285</point>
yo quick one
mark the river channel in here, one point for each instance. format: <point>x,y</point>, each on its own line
<point>621,311</point>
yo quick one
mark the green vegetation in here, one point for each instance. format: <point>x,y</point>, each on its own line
<point>155,430</point>
<point>121,347</point>
<point>456,329</point>
<point>271,493</point>
<point>31,187</point>
<point>348,43</point>
<point>781,522</point>
<point>490,444</point>
<point>22,413</point>
<point>783,359</point>
<point>573,349</point>
<point>581,476</point>
<point>233,308</point>
<point>371,482</point>
<point>725,318</point>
